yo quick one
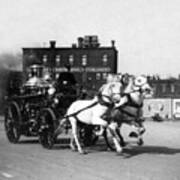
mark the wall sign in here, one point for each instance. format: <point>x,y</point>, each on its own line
<point>81,69</point>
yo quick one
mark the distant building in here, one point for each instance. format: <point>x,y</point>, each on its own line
<point>166,100</point>
<point>87,60</point>
<point>166,88</point>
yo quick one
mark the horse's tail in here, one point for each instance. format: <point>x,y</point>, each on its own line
<point>62,121</point>
<point>62,125</point>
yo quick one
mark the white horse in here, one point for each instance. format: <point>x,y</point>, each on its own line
<point>129,108</point>
<point>92,111</point>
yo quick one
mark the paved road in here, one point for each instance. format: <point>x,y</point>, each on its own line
<point>158,159</point>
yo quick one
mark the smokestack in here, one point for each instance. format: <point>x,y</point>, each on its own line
<point>52,44</point>
<point>113,43</point>
<point>73,45</point>
<point>80,42</point>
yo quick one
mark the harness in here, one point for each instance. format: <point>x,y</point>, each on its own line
<point>130,102</point>
<point>100,100</point>
<point>100,96</point>
<point>104,103</point>
<point>83,109</point>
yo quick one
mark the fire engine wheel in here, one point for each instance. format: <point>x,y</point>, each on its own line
<point>87,135</point>
<point>46,131</point>
<point>12,122</point>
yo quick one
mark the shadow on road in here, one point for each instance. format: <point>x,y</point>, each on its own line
<point>29,141</point>
<point>128,152</point>
<point>64,144</point>
<point>135,151</point>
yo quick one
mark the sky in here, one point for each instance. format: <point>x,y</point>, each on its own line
<point>147,32</point>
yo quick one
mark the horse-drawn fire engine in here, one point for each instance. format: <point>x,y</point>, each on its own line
<point>41,105</point>
<point>36,109</point>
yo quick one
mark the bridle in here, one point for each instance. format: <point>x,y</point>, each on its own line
<point>130,101</point>
<point>110,97</point>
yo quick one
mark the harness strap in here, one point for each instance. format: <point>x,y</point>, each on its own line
<point>130,102</point>
<point>104,103</point>
<point>77,112</point>
<point>126,112</point>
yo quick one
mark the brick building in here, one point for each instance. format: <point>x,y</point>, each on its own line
<point>88,61</point>
<point>165,88</point>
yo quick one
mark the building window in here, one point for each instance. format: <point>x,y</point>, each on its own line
<point>71,60</point>
<point>163,88</point>
<point>172,88</point>
<point>45,59</point>
<point>105,59</point>
<point>104,76</point>
<point>98,76</point>
<point>58,60</point>
<point>155,89</point>
<point>84,60</point>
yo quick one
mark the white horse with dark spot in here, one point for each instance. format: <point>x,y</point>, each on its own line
<point>91,112</point>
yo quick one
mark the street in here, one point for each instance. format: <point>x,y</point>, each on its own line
<point>158,158</point>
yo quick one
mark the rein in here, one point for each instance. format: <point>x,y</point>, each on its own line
<point>100,101</point>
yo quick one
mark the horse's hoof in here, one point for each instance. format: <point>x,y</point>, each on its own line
<point>83,152</point>
<point>119,153</point>
<point>73,149</point>
<point>133,134</point>
<point>142,131</point>
<point>140,142</point>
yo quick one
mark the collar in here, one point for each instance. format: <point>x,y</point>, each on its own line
<point>103,102</point>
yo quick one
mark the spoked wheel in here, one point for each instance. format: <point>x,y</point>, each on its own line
<point>46,131</point>
<point>87,135</point>
<point>12,123</point>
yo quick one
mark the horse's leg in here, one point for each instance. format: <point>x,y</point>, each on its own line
<point>122,142</point>
<point>72,145</point>
<point>73,121</point>
<point>116,116</point>
<point>113,130</point>
<point>99,121</point>
<point>141,130</point>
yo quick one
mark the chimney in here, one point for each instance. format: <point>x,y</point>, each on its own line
<point>73,45</point>
<point>52,44</point>
<point>113,43</point>
<point>80,42</point>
